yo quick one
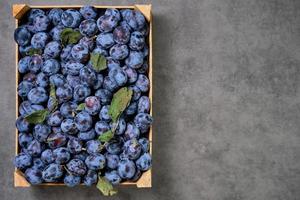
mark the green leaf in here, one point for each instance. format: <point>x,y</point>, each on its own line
<point>106,137</point>
<point>80,107</point>
<point>105,187</point>
<point>53,98</point>
<point>119,103</point>
<point>70,36</point>
<point>98,62</point>
<point>52,91</point>
<point>33,51</point>
<point>37,116</point>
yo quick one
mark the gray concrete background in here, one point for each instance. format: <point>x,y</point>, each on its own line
<point>226,102</point>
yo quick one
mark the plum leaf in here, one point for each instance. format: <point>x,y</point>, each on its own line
<point>105,187</point>
<point>53,98</point>
<point>37,117</point>
<point>70,36</point>
<point>106,137</point>
<point>80,107</point>
<point>119,103</point>
<point>98,62</point>
<point>33,51</point>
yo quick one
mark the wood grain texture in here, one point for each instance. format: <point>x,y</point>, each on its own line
<point>18,11</point>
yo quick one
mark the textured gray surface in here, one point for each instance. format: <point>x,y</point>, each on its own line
<point>226,103</point>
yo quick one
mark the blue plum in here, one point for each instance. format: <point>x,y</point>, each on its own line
<point>61,155</point>
<point>83,121</point>
<point>104,95</point>
<point>71,18</point>
<point>64,93</point>
<point>88,12</point>
<point>39,40</point>
<point>71,180</point>
<point>80,53</point>
<point>50,67</point>
<point>87,135</point>
<point>88,27</point>
<point>55,15</point>
<point>76,167</point>
<point>110,84</point>
<point>56,140</point>
<point>105,40</point>
<point>101,127</point>
<point>92,105</point>
<point>143,121</point>
<point>47,156</point>
<point>23,65</point>
<point>22,161</point>
<point>132,149</point>
<point>88,76</point>
<point>95,162</point>
<point>35,63</point>
<point>34,148</point>
<point>121,35</point>
<point>68,126</point>
<point>56,31</point>
<point>144,162</point>
<point>37,95</point>
<point>118,75</point>
<point>131,74</point>
<point>143,83</point>
<point>22,36</point>
<point>144,104</point>
<point>41,22</point>
<point>57,80</point>
<point>52,49</point>
<point>103,115</point>
<point>65,54</point>
<point>74,145</point>
<point>33,176</point>
<point>112,160</point>
<point>81,92</point>
<point>42,80</point>
<point>52,173</point>
<point>93,147</point>
<point>135,59</point>
<point>113,177</point>
<point>24,88</point>
<point>88,42</point>
<point>22,124</point>
<point>126,169</point>
<point>73,67</point>
<point>55,119</point>
<point>90,178</point>
<point>119,51</point>
<point>137,41</point>
<point>24,139</point>
<point>131,131</point>
<point>41,132</point>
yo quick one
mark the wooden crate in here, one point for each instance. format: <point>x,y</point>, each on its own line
<point>19,10</point>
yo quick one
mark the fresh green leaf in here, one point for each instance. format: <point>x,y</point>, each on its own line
<point>70,36</point>
<point>37,116</point>
<point>106,137</point>
<point>34,51</point>
<point>80,107</point>
<point>52,91</point>
<point>98,62</point>
<point>119,103</point>
<point>105,187</point>
<point>53,98</point>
